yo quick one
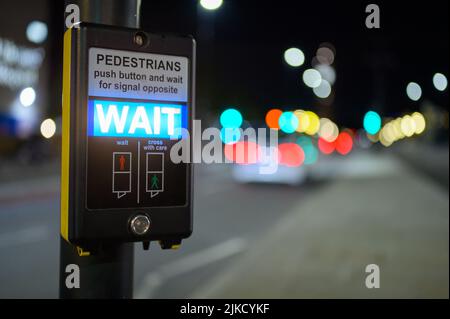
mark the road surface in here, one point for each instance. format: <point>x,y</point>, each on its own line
<point>233,224</point>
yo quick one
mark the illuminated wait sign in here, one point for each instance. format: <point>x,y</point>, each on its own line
<point>136,119</point>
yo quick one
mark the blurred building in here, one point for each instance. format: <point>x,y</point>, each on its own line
<point>26,52</point>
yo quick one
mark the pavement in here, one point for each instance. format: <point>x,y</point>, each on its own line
<point>398,221</point>
<point>268,241</point>
<point>428,159</point>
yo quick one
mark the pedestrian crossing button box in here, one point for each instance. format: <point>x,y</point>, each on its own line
<point>126,104</point>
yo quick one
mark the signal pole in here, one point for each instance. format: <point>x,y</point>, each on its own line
<point>107,273</point>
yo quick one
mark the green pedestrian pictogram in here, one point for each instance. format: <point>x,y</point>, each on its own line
<point>155,173</point>
<point>155,182</point>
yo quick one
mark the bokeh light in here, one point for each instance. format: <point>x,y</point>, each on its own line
<point>272,118</point>
<point>311,152</point>
<point>48,128</point>
<point>294,57</point>
<point>288,122</point>
<point>37,32</point>
<point>290,154</point>
<point>327,73</point>
<point>314,123</point>
<point>372,122</point>
<point>440,81</point>
<point>323,90</point>
<point>396,129</point>
<point>211,4</point>
<point>384,139</point>
<point>231,118</point>
<point>27,96</point>
<point>328,130</point>
<point>419,121</point>
<point>325,55</point>
<point>304,140</point>
<point>303,120</point>
<point>414,91</point>
<point>312,78</point>
<point>326,147</point>
<point>408,126</point>
<point>344,143</point>
<point>402,127</point>
<point>389,132</point>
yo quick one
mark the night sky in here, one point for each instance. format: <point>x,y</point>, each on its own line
<point>241,46</point>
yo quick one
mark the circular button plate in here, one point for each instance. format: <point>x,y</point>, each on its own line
<point>140,225</point>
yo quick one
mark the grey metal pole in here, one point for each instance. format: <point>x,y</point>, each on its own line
<point>124,13</point>
<point>106,275</point>
<point>109,272</point>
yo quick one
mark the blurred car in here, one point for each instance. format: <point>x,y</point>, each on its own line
<point>284,175</point>
<point>281,165</point>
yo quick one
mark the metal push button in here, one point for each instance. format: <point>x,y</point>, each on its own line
<point>140,225</point>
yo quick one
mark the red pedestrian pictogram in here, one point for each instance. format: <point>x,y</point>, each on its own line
<point>122,163</point>
<point>121,173</point>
